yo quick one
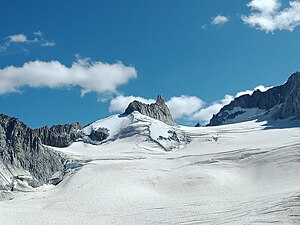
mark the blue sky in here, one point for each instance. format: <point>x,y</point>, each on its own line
<point>154,47</point>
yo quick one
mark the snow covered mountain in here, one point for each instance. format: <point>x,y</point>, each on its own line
<point>136,169</point>
<point>27,162</point>
<point>279,102</point>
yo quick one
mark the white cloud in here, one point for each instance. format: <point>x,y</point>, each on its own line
<point>38,33</point>
<point>48,44</point>
<point>219,20</point>
<point>206,113</point>
<point>120,103</point>
<point>21,38</point>
<point>22,42</point>
<point>267,16</point>
<point>90,76</point>
<point>184,107</point>
<point>265,6</point>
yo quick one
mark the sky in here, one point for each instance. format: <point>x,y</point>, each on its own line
<point>66,61</point>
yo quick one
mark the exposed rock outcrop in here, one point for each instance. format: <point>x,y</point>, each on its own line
<point>23,147</point>
<point>20,146</point>
<point>60,135</point>
<point>158,110</point>
<point>99,135</point>
<point>279,102</point>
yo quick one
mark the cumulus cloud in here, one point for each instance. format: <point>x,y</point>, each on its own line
<point>189,108</point>
<point>268,15</point>
<point>184,107</point>
<point>91,76</point>
<point>206,113</point>
<point>219,20</point>
<point>120,103</point>
<point>23,42</point>
<point>180,106</point>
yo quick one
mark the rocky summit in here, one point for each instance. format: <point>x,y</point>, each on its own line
<point>158,110</point>
<point>280,102</point>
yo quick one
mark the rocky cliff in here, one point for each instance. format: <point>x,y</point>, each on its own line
<point>158,110</point>
<point>59,135</point>
<point>23,150</point>
<point>279,102</point>
<point>21,147</point>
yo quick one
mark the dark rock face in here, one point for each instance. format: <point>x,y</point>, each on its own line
<point>283,101</point>
<point>21,147</point>
<point>99,135</point>
<point>198,125</point>
<point>59,135</point>
<point>25,148</point>
<point>158,110</point>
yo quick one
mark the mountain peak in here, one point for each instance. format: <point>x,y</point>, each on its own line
<point>295,76</point>
<point>280,102</point>
<point>294,80</point>
<point>160,100</point>
<point>158,110</point>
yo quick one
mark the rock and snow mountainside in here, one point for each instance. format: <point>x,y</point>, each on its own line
<point>242,173</point>
<point>139,170</point>
<point>158,110</point>
<point>279,102</point>
<point>23,158</point>
<point>135,124</point>
<point>26,156</point>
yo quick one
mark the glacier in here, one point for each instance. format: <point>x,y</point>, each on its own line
<point>148,172</point>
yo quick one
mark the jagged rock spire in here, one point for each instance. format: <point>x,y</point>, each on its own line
<point>160,100</point>
<point>158,110</point>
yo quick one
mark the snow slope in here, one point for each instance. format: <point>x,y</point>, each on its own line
<point>246,173</point>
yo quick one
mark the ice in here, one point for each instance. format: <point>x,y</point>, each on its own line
<point>244,173</point>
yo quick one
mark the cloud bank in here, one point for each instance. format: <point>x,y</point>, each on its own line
<point>184,107</point>
<point>268,16</point>
<point>91,76</point>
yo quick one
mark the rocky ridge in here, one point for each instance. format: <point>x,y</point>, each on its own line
<point>59,135</point>
<point>279,102</point>
<point>21,147</point>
